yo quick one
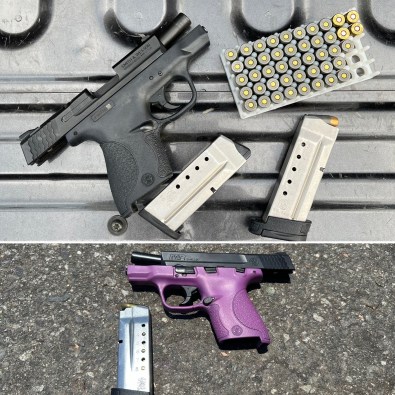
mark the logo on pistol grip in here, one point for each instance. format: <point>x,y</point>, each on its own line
<point>237,330</point>
<point>147,179</point>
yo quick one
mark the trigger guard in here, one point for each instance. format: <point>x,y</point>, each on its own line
<point>189,298</point>
<point>159,100</point>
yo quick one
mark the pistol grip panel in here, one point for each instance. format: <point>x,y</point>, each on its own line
<point>123,172</point>
<point>220,330</point>
<point>135,167</point>
<point>237,318</point>
<point>153,140</point>
<point>245,312</point>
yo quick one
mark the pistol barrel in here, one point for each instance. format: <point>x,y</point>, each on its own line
<point>171,32</point>
<point>140,258</point>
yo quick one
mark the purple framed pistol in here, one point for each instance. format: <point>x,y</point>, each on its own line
<point>213,283</point>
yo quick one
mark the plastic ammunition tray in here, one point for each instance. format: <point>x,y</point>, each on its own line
<point>52,50</point>
<point>355,65</point>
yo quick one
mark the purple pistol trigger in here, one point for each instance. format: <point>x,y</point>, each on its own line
<point>219,281</point>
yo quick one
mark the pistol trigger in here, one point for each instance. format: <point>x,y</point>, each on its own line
<point>190,296</point>
<point>159,100</point>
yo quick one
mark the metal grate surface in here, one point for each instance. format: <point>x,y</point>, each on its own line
<point>51,50</point>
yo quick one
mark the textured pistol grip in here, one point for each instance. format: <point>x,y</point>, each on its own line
<point>237,318</point>
<point>135,167</point>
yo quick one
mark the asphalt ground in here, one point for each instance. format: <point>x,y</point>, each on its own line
<point>332,326</point>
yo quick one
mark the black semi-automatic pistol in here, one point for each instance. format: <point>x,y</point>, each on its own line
<point>119,115</point>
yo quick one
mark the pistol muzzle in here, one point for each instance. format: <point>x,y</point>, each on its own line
<point>171,32</point>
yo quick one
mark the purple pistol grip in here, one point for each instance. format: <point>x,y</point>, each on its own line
<point>232,313</point>
<point>224,297</point>
<point>237,318</point>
